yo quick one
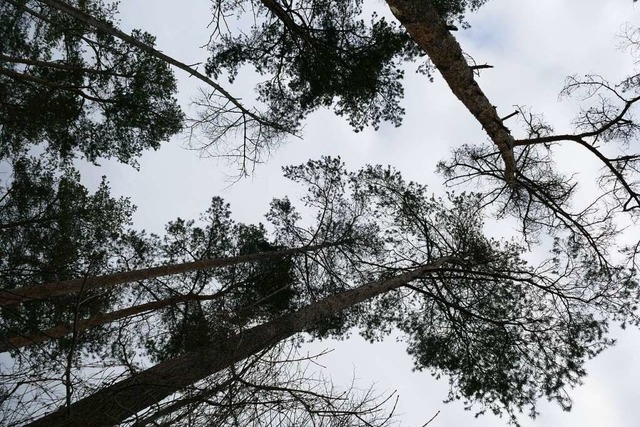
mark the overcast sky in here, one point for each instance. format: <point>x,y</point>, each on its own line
<point>532,44</point>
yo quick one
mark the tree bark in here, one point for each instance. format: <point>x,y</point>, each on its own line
<point>19,341</point>
<point>48,290</point>
<point>123,399</point>
<point>425,25</point>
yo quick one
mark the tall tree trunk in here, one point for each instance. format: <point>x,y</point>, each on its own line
<point>18,341</point>
<point>15,224</point>
<point>123,399</point>
<point>425,25</point>
<point>107,28</point>
<point>48,290</point>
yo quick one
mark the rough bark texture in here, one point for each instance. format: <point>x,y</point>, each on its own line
<point>60,331</point>
<point>425,25</point>
<point>48,290</point>
<point>128,397</point>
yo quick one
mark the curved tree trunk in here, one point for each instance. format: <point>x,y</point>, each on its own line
<point>48,290</point>
<point>123,399</point>
<point>18,341</point>
<point>425,25</point>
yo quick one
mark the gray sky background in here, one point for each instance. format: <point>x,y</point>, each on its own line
<point>533,45</point>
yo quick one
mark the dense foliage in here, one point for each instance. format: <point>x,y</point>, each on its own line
<point>73,91</point>
<point>504,331</point>
<point>321,54</point>
<point>361,250</point>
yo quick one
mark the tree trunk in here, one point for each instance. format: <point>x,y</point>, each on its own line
<point>22,223</point>
<point>425,25</point>
<point>123,399</point>
<point>48,290</point>
<point>107,28</point>
<point>287,21</point>
<point>19,341</point>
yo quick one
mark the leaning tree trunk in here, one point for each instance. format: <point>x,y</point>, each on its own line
<point>19,341</point>
<point>425,25</point>
<point>123,399</point>
<point>48,290</point>
<point>107,28</point>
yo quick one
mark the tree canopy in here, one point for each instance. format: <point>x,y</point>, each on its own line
<point>74,91</point>
<point>505,331</point>
<point>184,322</point>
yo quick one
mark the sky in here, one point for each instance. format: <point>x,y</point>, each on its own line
<point>532,44</point>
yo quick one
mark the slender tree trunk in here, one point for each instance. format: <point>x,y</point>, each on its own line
<point>32,221</point>
<point>425,25</point>
<point>287,20</point>
<point>59,66</point>
<point>59,331</point>
<point>48,290</point>
<point>107,28</point>
<point>123,399</point>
